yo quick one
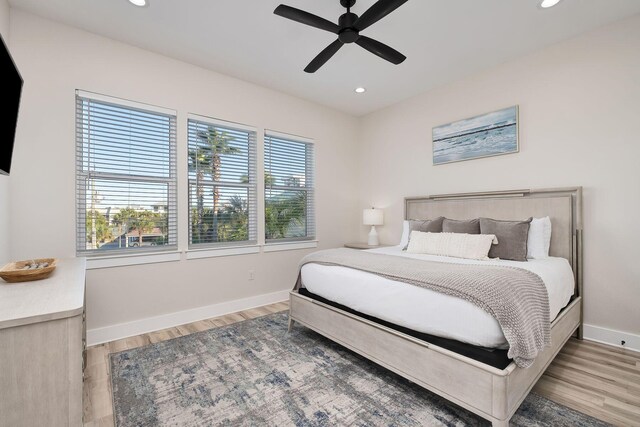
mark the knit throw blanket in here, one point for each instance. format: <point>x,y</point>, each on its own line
<point>515,297</point>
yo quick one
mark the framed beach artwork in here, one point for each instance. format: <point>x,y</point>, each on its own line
<point>490,134</point>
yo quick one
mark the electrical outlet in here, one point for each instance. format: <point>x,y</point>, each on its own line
<point>252,274</point>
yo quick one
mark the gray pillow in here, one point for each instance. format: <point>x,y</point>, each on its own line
<point>512,238</point>
<point>426,226</point>
<point>471,226</point>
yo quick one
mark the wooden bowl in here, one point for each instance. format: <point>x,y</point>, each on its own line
<point>13,272</point>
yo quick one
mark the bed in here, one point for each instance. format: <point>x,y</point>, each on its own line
<point>423,345</point>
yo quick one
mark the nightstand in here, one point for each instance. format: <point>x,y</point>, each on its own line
<point>360,245</point>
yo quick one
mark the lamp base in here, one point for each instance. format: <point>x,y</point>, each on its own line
<point>373,237</point>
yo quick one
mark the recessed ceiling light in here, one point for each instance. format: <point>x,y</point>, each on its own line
<point>139,3</point>
<point>549,3</point>
<point>360,90</point>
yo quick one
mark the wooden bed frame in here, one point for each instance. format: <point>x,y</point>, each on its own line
<point>493,394</point>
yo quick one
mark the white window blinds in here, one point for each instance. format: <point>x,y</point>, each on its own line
<point>125,176</point>
<point>222,183</point>
<point>289,188</point>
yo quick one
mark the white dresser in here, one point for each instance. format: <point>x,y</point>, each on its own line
<point>42,348</point>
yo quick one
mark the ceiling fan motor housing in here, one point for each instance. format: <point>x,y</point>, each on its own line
<point>348,34</point>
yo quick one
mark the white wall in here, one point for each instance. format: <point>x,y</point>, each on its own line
<point>579,110</point>
<point>4,20</point>
<point>4,180</point>
<point>55,60</point>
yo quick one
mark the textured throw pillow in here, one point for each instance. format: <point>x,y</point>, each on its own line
<point>425,226</point>
<point>469,246</point>
<point>512,238</point>
<point>404,240</point>
<point>471,226</point>
<point>539,239</point>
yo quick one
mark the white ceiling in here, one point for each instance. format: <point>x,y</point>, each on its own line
<point>443,40</point>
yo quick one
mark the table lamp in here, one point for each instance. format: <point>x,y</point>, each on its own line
<point>373,217</point>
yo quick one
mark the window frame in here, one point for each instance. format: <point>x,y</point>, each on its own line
<point>309,240</point>
<point>126,256</point>
<point>209,249</point>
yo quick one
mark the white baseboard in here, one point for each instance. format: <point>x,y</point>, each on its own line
<point>151,324</point>
<point>612,337</point>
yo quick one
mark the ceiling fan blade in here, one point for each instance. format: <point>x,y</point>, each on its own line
<point>323,57</point>
<point>376,12</point>
<point>306,18</point>
<point>381,49</point>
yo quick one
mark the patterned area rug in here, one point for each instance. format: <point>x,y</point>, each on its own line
<point>254,373</point>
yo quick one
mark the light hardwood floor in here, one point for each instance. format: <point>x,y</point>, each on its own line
<point>595,379</point>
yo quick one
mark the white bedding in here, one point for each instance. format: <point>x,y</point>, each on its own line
<point>427,311</point>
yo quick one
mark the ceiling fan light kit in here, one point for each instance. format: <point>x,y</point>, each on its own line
<point>139,3</point>
<point>348,30</point>
<point>545,4</point>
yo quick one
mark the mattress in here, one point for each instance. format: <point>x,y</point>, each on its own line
<point>496,357</point>
<point>427,311</point>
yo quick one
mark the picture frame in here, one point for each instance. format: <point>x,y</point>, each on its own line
<point>486,135</point>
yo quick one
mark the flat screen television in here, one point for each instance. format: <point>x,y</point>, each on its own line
<point>10,99</point>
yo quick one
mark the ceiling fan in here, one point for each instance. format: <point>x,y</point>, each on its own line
<point>348,30</point>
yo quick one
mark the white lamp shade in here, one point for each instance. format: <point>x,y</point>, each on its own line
<point>373,217</point>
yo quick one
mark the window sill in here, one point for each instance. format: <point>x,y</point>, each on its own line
<point>131,259</point>
<point>290,246</point>
<point>123,260</point>
<point>222,251</point>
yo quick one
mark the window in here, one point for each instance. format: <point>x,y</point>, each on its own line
<point>222,183</point>
<point>125,176</point>
<point>289,188</point>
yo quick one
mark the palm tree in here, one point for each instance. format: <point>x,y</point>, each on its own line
<point>283,212</point>
<point>283,209</point>
<point>235,215</point>
<point>206,160</point>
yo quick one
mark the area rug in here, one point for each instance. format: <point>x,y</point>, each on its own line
<point>254,373</point>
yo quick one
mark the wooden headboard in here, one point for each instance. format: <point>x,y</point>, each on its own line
<point>562,205</point>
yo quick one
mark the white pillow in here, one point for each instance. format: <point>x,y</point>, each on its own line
<point>458,245</point>
<point>404,240</point>
<point>539,239</point>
